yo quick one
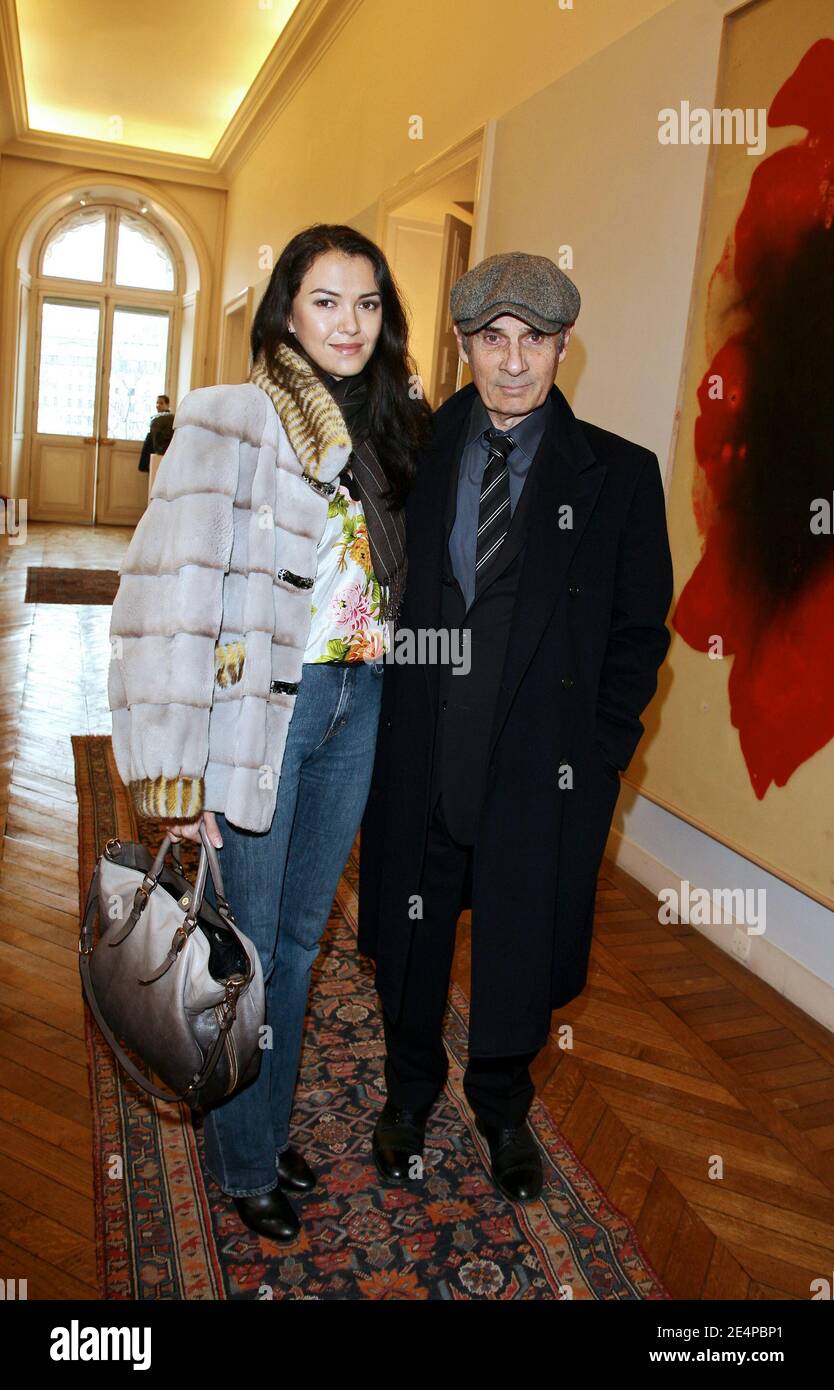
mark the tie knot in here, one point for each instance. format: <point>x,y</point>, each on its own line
<point>499,443</point>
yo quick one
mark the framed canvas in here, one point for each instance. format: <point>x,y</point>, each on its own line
<point>742,729</point>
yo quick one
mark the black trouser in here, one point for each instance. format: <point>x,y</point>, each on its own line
<point>499,1089</point>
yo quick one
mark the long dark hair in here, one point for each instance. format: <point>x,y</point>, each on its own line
<point>398,423</point>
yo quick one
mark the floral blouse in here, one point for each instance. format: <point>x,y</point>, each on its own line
<point>346,624</point>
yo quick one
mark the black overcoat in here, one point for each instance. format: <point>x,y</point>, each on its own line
<point>587,637</point>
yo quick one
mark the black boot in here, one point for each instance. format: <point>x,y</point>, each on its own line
<point>270,1214</point>
<point>398,1139</point>
<point>516,1161</point>
<point>294,1172</point>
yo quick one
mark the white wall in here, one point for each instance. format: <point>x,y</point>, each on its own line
<point>579,164</point>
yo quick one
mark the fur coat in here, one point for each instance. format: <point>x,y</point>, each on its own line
<point>213,610</point>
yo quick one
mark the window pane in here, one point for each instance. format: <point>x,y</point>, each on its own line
<point>67,383</point>
<point>142,258</point>
<point>76,250</point>
<point>138,367</point>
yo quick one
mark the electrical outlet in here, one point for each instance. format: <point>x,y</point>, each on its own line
<point>741,943</point>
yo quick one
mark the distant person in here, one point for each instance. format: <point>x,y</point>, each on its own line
<point>159,435</point>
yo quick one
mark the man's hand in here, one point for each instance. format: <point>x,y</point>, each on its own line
<point>190,829</point>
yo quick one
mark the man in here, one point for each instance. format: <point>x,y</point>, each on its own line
<point>495,787</point>
<point>159,435</point>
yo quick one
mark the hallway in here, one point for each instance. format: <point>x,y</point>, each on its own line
<point>677,1049</point>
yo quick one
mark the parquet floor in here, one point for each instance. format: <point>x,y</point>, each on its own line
<point>679,1057</point>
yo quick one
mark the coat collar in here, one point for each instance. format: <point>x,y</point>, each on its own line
<point>313,421</point>
<point>568,477</point>
<point>453,416</point>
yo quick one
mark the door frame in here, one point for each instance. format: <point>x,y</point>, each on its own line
<point>478,147</point>
<point>244,305</point>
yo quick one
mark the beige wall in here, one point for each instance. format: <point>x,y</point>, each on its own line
<point>344,137</point>
<point>415,253</point>
<point>579,164</point>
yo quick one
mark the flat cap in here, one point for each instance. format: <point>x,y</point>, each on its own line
<point>532,288</point>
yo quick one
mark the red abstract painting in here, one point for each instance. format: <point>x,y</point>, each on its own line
<point>764,443</point>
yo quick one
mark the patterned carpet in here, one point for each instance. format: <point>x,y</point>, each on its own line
<point>45,584</point>
<point>166,1231</point>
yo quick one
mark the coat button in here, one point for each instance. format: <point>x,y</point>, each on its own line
<point>443,704</point>
<point>573,589</point>
<point>567,682</point>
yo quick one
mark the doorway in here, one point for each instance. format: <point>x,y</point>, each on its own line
<point>107,319</point>
<point>432,228</point>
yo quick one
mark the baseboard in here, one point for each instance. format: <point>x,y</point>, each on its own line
<point>813,995</point>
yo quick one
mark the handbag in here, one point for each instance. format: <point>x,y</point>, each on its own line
<point>170,976</point>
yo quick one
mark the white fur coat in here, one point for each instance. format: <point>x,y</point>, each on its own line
<point>208,632</point>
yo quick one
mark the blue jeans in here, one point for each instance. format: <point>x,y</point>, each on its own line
<point>281,884</point>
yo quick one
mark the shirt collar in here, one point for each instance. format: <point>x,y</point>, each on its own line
<point>526,435</point>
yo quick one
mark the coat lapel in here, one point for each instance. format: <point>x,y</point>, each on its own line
<point>565,474</point>
<point>429,521</point>
<point>570,476</point>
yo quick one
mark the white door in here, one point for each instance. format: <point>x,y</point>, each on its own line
<point>103,353</point>
<point>65,445</point>
<point>136,354</point>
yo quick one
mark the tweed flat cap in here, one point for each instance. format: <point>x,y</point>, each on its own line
<point>531,287</point>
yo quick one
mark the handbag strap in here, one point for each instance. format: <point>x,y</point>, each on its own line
<point>208,859</point>
<point>85,949</point>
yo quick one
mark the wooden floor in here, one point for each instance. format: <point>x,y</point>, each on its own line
<point>679,1057</point>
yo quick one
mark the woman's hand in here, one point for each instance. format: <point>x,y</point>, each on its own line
<point>190,829</point>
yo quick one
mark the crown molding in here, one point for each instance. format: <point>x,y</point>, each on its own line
<point>312,28</point>
<point>117,159</point>
<point>13,65</point>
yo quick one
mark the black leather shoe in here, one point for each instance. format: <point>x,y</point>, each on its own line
<point>398,1138</point>
<point>270,1214</point>
<point>294,1172</point>
<point>516,1161</point>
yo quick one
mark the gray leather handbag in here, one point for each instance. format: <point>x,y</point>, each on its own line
<point>170,976</point>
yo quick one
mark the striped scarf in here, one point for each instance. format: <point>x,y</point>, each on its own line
<point>317,414</point>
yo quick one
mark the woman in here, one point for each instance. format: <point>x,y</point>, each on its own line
<point>295,581</point>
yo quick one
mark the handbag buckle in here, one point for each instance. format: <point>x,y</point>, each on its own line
<point>224,907</point>
<point>181,936</point>
<point>116,850</point>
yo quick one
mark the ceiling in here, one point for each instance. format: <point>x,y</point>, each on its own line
<point>190,63</point>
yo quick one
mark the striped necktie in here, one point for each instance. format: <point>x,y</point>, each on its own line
<point>494,511</point>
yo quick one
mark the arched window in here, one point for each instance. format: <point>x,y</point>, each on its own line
<point>142,256</point>
<point>104,383</point>
<point>109,246</point>
<point>75,250</point>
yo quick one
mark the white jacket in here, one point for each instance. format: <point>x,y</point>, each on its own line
<point>213,611</point>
